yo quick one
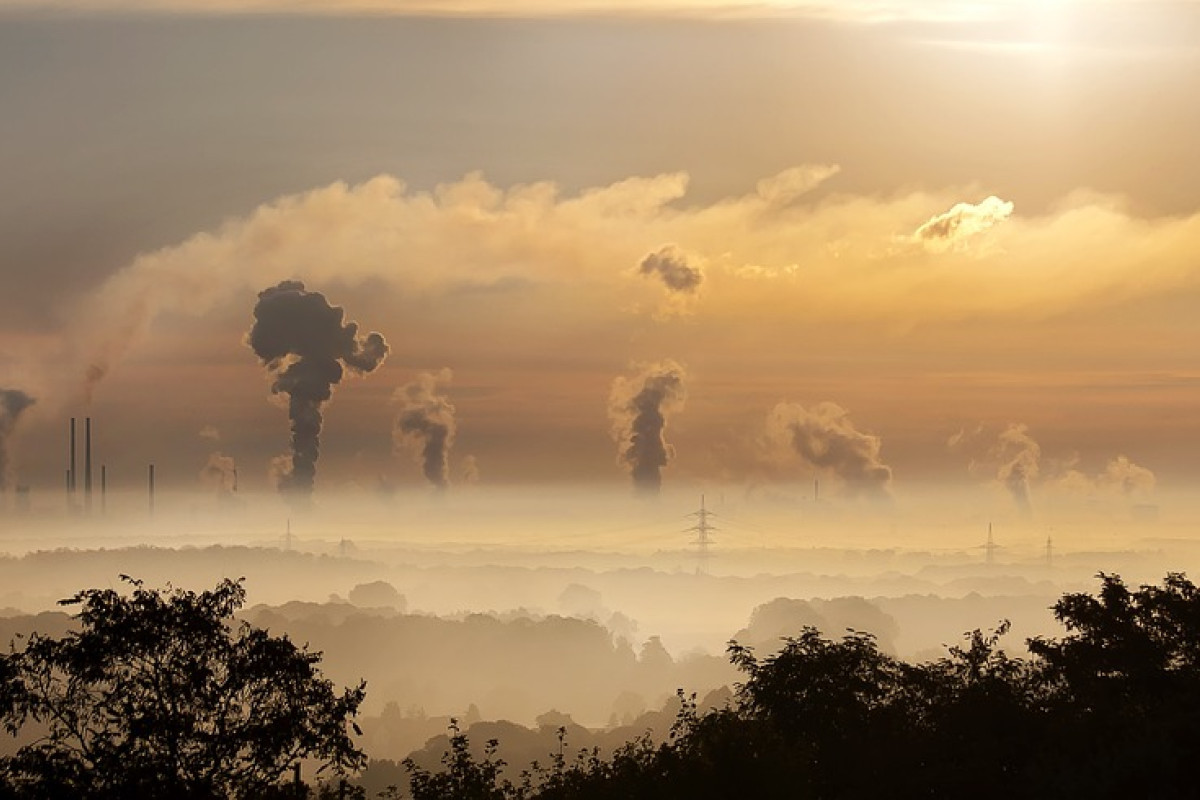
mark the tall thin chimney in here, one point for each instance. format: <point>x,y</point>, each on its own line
<point>103,489</point>
<point>87,464</point>
<point>150,480</point>
<point>71,474</point>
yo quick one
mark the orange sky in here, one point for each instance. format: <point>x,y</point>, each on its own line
<point>935,225</point>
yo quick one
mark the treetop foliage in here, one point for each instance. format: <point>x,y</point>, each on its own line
<point>160,693</point>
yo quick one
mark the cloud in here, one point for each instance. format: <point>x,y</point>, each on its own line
<point>866,11</point>
<point>1019,456</point>
<point>209,432</point>
<point>770,257</point>
<point>638,407</point>
<point>425,425</point>
<point>679,272</point>
<point>1120,477</point>
<point>1015,460</point>
<point>825,438</point>
<point>962,222</point>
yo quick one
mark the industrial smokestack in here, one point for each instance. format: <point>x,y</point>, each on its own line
<point>103,489</point>
<point>304,344</point>
<point>71,481</point>
<point>87,464</point>
<point>150,487</point>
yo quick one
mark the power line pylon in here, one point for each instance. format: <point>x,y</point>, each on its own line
<point>991,546</point>
<point>702,529</point>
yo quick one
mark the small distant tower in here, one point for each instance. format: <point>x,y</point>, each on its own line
<point>150,488</point>
<point>1049,550</point>
<point>990,547</point>
<point>287,536</point>
<point>702,529</point>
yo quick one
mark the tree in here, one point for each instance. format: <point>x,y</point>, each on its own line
<point>159,693</point>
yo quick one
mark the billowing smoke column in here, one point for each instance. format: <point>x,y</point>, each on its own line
<point>638,407</point>
<point>425,425</point>
<point>13,403</point>
<point>825,438</point>
<point>1019,456</point>
<point>304,343</point>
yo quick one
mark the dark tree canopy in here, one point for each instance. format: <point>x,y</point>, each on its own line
<point>1110,710</point>
<point>161,694</point>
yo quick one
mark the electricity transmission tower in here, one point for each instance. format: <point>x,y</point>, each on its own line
<point>702,529</point>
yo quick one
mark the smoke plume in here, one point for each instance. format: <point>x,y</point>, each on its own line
<point>304,344</point>
<point>425,425</point>
<point>13,403</point>
<point>675,268</point>
<point>638,407</point>
<point>825,438</point>
<point>220,472</point>
<point>1020,456</point>
<point>470,469</point>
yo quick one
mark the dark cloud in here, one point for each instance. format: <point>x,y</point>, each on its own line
<point>638,407</point>
<point>425,425</point>
<point>304,343</point>
<point>13,403</point>
<point>678,271</point>
<point>825,438</point>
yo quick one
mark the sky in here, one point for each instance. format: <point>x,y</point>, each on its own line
<point>883,244</point>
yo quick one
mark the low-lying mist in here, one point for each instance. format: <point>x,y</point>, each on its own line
<point>589,607</point>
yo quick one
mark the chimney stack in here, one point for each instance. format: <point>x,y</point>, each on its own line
<point>87,465</point>
<point>103,489</point>
<point>71,472</point>
<point>150,479</point>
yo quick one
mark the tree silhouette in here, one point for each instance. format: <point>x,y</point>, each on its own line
<point>1111,710</point>
<point>160,694</point>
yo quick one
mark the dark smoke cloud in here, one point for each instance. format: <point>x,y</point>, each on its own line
<point>302,340</point>
<point>425,425</point>
<point>678,272</point>
<point>638,407</point>
<point>13,403</point>
<point>825,438</point>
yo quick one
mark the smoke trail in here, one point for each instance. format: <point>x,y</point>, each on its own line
<point>220,472</point>
<point>825,438</point>
<point>1019,455</point>
<point>470,469</point>
<point>638,407</point>
<point>425,425</point>
<point>13,403</point>
<point>304,344</point>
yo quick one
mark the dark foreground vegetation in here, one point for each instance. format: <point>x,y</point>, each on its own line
<point>159,694</point>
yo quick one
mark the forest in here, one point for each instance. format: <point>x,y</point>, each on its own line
<point>166,693</point>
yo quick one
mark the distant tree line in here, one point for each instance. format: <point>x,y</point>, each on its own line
<point>1111,709</point>
<point>160,694</point>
